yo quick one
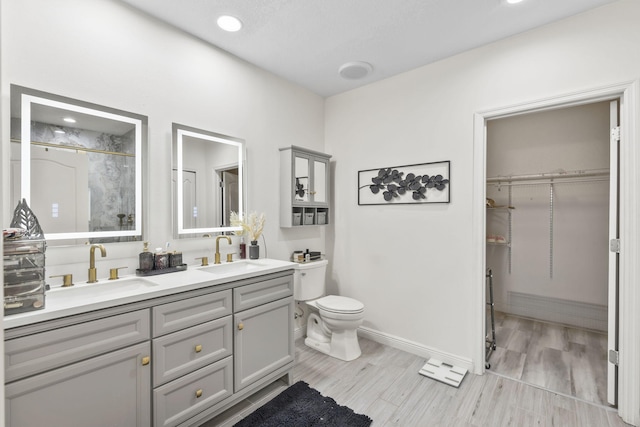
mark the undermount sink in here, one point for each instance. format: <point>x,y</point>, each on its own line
<point>102,289</point>
<point>237,267</point>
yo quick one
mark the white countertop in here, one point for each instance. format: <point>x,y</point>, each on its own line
<point>86,297</point>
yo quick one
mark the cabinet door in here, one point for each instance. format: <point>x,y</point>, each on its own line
<point>177,354</point>
<point>320,182</point>
<point>36,353</point>
<point>263,341</point>
<point>302,178</point>
<point>179,400</point>
<point>108,390</point>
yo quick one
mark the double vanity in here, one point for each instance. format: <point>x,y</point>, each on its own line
<point>168,350</point>
<point>160,350</point>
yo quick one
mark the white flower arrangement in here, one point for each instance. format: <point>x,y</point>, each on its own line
<point>253,225</point>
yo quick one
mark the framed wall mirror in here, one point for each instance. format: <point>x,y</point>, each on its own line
<point>79,167</point>
<point>208,181</point>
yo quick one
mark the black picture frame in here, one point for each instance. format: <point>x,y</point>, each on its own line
<point>408,184</point>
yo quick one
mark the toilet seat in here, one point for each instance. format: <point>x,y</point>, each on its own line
<point>340,305</point>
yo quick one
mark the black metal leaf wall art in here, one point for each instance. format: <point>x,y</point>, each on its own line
<point>426,183</point>
<point>392,184</point>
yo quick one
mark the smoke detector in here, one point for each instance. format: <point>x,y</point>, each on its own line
<point>355,70</point>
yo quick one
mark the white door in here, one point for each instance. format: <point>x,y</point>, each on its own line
<point>189,200</point>
<point>189,206</point>
<point>60,209</point>
<point>230,195</point>
<point>612,368</point>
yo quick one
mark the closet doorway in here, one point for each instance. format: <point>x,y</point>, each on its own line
<point>549,197</point>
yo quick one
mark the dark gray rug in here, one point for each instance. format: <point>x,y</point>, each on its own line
<point>303,406</point>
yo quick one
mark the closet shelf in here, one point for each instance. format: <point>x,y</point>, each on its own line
<point>501,208</point>
<point>498,239</point>
<point>506,244</point>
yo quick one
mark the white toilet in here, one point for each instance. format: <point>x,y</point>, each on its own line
<point>333,320</point>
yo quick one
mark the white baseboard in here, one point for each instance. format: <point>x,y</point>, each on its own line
<point>415,348</point>
<point>405,345</point>
<point>572,313</point>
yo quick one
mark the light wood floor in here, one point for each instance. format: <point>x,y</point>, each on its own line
<point>568,360</point>
<point>385,385</point>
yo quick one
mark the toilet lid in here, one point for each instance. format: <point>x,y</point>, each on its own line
<point>337,304</point>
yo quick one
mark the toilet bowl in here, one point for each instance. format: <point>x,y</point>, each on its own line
<point>333,320</point>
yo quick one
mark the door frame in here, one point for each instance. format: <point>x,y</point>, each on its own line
<point>629,217</point>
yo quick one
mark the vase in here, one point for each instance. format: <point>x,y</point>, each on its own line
<point>254,250</point>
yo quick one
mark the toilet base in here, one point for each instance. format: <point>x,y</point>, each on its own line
<point>344,345</point>
<point>323,347</point>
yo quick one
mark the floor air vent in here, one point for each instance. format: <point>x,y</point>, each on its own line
<point>443,372</point>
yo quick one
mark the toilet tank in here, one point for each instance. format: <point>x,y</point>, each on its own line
<point>308,280</point>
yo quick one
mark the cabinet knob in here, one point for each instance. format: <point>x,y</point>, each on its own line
<point>199,393</point>
<point>198,348</point>
<point>146,360</point>
<point>240,326</point>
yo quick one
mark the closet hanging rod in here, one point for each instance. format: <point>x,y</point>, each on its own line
<point>547,182</point>
<point>594,173</point>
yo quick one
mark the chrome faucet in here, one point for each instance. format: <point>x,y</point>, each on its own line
<point>92,261</point>
<point>217,260</point>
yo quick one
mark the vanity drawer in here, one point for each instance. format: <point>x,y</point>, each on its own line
<point>181,399</point>
<point>190,312</point>
<point>43,351</point>
<point>181,352</point>
<point>256,294</point>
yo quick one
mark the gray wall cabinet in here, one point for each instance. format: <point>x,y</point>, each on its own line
<point>305,181</point>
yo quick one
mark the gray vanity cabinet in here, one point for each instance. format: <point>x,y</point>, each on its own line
<point>88,374</point>
<point>172,361</point>
<point>263,335</point>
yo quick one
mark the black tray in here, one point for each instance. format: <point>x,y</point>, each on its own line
<point>181,267</point>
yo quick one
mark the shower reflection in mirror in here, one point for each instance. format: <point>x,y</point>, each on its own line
<point>78,166</point>
<point>209,167</point>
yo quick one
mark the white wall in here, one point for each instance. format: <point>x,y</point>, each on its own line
<point>412,266</point>
<point>107,53</point>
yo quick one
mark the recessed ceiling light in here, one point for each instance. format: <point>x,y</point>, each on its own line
<point>355,70</point>
<point>69,120</point>
<point>513,1</point>
<point>229,23</point>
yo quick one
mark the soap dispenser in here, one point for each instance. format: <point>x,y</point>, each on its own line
<point>243,248</point>
<point>161,260</point>
<point>146,258</point>
<point>175,259</point>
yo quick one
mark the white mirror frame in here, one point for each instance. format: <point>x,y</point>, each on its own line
<point>179,132</point>
<point>29,97</point>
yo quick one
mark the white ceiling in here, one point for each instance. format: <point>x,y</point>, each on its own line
<point>306,41</point>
